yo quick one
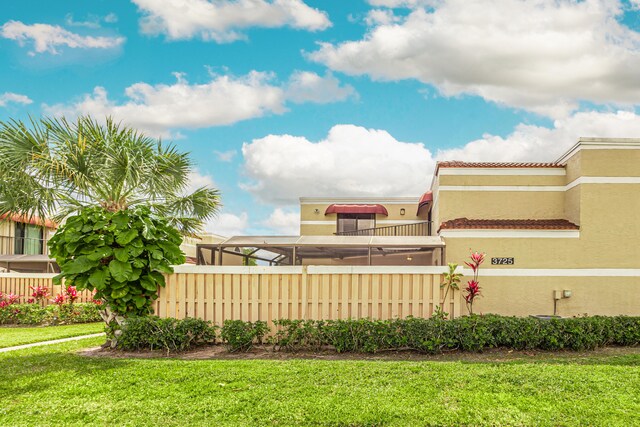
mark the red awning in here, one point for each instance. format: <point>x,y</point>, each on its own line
<point>425,201</point>
<point>357,209</point>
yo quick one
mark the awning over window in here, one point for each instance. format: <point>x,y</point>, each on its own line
<point>425,202</point>
<point>357,209</point>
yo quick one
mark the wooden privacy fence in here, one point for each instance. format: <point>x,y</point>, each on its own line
<point>218,293</point>
<point>19,284</point>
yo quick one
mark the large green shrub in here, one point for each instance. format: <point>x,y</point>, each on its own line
<point>154,333</point>
<point>121,255</point>
<point>237,335</point>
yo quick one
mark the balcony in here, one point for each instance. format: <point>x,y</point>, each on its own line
<point>409,229</point>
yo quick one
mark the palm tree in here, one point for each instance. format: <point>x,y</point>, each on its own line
<point>53,168</point>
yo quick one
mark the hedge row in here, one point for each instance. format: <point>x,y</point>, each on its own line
<point>471,333</point>
<point>33,314</point>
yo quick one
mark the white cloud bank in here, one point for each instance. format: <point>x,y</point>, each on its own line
<point>49,38</point>
<point>529,143</point>
<point>355,161</point>
<point>223,100</point>
<point>351,160</point>
<point>228,224</point>
<point>16,98</point>
<point>223,21</point>
<point>283,223</point>
<point>544,56</point>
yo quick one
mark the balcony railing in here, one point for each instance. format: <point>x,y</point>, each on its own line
<point>22,246</point>
<point>409,229</point>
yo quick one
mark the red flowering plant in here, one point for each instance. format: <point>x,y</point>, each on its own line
<point>40,293</point>
<point>71,294</point>
<point>59,299</point>
<point>473,286</point>
<point>7,300</point>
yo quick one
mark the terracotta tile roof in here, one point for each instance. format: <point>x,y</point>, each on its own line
<point>191,260</point>
<point>514,224</point>
<point>459,164</point>
<point>34,220</point>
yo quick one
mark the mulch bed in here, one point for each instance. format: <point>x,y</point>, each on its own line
<point>266,352</point>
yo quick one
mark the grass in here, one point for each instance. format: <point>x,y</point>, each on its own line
<point>54,386</point>
<point>10,336</point>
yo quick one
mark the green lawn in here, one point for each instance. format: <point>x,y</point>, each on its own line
<point>16,336</point>
<point>54,386</point>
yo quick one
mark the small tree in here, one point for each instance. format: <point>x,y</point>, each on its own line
<point>122,197</point>
<point>450,283</point>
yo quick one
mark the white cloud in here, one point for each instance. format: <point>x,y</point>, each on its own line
<point>402,3</point>
<point>354,161</point>
<point>91,21</point>
<point>228,224</point>
<point>545,56</point>
<point>350,161</point>
<point>223,21</point>
<point>49,38</point>
<point>224,100</point>
<point>17,98</point>
<point>529,143</point>
<point>283,223</point>
<point>156,109</point>
<point>226,156</point>
<point>198,180</point>
<point>381,17</point>
<point>305,86</point>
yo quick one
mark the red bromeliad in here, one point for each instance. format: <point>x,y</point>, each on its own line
<point>39,293</point>
<point>71,294</point>
<point>473,286</point>
<point>59,299</point>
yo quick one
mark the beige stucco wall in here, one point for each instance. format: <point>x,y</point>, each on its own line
<point>499,204</point>
<point>524,296</point>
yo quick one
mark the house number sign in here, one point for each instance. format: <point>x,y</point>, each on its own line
<point>502,261</point>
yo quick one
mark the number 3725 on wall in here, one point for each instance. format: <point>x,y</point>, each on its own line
<point>503,261</point>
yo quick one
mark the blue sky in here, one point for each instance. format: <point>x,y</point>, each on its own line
<point>278,100</point>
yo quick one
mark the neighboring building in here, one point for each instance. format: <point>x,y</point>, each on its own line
<point>23,244</point>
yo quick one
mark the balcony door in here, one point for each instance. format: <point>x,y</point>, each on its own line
<point>355,222</point>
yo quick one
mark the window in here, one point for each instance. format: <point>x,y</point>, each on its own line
<point>28,240</point>
<point>355,222</point>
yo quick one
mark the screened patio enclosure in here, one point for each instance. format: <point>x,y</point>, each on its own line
<point>325,250</point>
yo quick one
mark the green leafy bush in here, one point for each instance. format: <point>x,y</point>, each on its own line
<point>469,333</point>
<point>121,255</point>
<point>34,314</point>
<point>154,333</point>
<point>238,335</point>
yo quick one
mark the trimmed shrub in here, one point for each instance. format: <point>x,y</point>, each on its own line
<point>469,333</point>
<point>237,335</point>
<point>474,333</point>
<point>154,333</point>
<point>34,314</point>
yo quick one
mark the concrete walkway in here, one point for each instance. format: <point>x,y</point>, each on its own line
<point>37,344</point>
